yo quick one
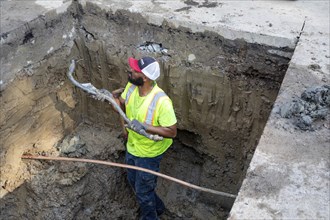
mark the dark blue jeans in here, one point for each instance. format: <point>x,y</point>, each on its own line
<point>144,184</point>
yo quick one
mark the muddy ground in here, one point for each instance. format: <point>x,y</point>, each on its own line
<point>68,190</point>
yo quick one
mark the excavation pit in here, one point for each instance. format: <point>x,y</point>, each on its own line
<point>222,91</point>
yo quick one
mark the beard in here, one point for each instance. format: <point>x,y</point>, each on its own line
<point>137,82</point>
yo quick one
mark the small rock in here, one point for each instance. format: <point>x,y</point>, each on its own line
<point>314,67</point>
<point>304,123</point>
<point>236,108</point>
<point>191,57</point>
<point>319,114</point>
<point>73,146</point>
<point>285,110</point>
<point>292,108</point>
<point>307,120</point>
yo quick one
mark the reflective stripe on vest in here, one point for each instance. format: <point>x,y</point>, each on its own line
<point>152,107</point>
<point>129,93</point>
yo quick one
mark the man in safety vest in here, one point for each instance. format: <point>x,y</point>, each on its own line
<point>150,109</point>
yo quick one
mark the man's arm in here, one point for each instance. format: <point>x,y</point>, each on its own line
<point>119,100</point>
<point>167,132</point>
<point>166,120</point>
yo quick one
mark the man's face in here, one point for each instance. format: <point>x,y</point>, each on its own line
<point>135,78</point>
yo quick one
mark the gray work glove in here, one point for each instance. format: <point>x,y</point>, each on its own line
<point>138,126</point>
<point>102,94</point>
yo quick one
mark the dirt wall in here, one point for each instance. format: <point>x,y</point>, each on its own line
<point>37,102</point>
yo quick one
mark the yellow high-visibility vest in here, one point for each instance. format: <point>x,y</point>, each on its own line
<point>155,109</point>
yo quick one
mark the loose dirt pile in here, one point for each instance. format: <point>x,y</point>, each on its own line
<point>310,110</point>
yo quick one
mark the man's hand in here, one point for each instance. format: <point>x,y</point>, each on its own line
<point>138,126</point>
<point>102,95</point>
<point>116,93</point>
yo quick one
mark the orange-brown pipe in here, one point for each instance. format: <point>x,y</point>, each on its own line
<point>131,167</point>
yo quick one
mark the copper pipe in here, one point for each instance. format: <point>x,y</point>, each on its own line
<point>131,167</point>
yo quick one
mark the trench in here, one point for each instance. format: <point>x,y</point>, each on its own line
<point>222,91</point>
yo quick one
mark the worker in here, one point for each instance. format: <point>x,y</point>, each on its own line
<point>149,109</point>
